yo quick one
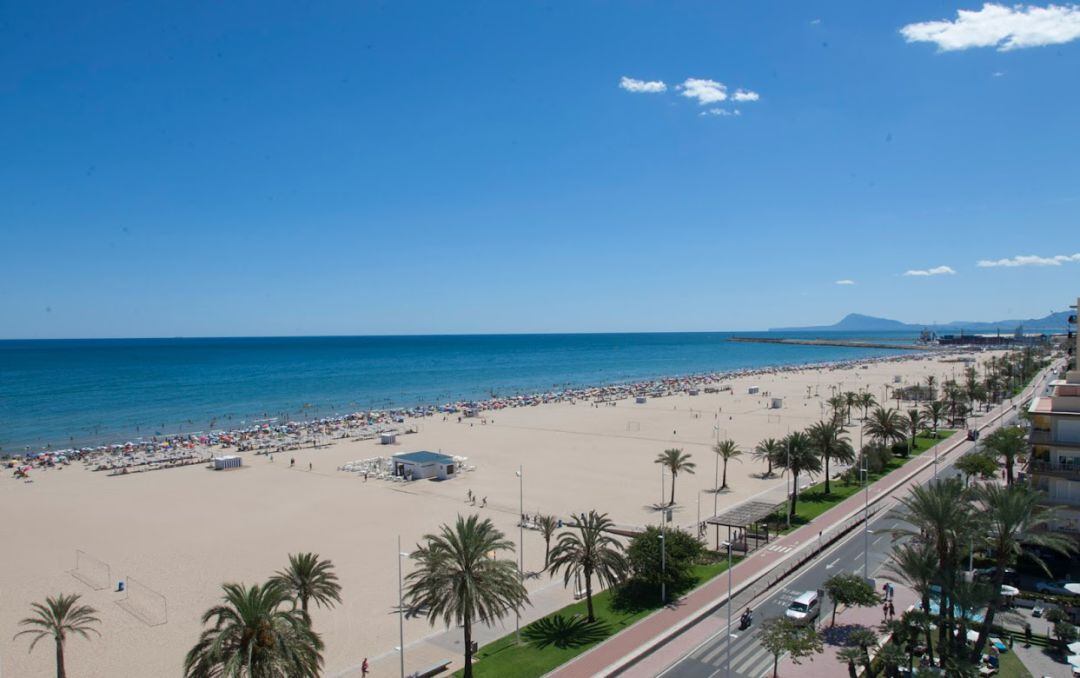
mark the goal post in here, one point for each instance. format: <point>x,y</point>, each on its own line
<point>144,603</point>
<point>91,571</point>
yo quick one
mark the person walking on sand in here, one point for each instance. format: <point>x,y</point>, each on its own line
<point>364,668</point>
<point>483,504</point>
<point>309,466</point>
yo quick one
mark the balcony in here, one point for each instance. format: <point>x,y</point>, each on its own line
<point>1044,437</point>
<point>1049,468</point>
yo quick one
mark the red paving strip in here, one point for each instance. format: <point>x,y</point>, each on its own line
<point>667,627</point>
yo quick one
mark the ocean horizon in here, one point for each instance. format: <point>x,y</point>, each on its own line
<point>77,392</point>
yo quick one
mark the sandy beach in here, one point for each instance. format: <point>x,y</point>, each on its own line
<point>184,531</point>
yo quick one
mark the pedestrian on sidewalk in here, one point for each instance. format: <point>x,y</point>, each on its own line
<point>1027,634</point>
<point>884,613</point>
<point>892,610</point>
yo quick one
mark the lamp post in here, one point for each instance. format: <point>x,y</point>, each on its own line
<point>789,479</point>
<point>866,522</point>
<point>663,564</point>
<point>730,602</point>
<point>521,544</point>
<point>401,609</point>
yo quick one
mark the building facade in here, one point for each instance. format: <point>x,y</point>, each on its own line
<point>1054,463</point>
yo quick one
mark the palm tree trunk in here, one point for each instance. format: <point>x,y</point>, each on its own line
<point>794,493</point>
<point>929,633</point>
<point>1008,470</point>
<point>673,476</point>
<point>61,672</point>
<point>547,551</point>
<point>988,621</point>
<point>468,646</point>
<point>588,595</point>
<point>303,603</point>
<point>724,483</point>
<point>775,664</point>
<point>852,672</point>
<point>826,474</point>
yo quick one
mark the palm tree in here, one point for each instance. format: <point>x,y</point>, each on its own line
<point>852,656</point>
<point>931,386</point>
<point>885,426</point>
<point>800,457</point>
<point>851,399</point>
<point>935,412</point>
<point>1009,442</point>
<point>726,450</point>
<point>838,405</point>
<point>829,441</point>
<point>676,462</point>
<point>592,551</point>
<point>915,564</point>
<point>257,632</point>
<point>58,618</point>
<point>310,578</point>
<point>768,450</point>
<point>1015,522</point>
<point>866,401</point>
<point>941,515</point>
<point>460,580</point>
<point>914,421</point>
<point>548,525</point>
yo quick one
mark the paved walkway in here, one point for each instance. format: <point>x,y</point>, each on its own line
<point>670,633</point>
<point>826,665</point>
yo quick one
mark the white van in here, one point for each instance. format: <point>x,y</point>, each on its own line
<point>805,608</point>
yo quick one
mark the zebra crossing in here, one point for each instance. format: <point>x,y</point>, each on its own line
<point>778,548</point>
<point>748,658</point>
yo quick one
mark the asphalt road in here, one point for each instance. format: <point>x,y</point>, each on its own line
<point>748,658</point>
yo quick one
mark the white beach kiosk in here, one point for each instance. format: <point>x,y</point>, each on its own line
<point>424,465</point>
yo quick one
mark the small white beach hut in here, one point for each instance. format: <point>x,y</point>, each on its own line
<point>388,438</point>
<point>753,390</point>
<point>640,400</point>
<point>227,462</point>
<point>424,465</point>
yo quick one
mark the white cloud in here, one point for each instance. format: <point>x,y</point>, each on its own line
<point>722,112</point>
<point>642,86</point>
<point>998,74</point>
<point>845,281</point>
<point>705,91</point>
<point>937,270</point>
<point>1029,260</point>
<point>815,22</point>
<point>745,95</point>
<point>1005,28</point>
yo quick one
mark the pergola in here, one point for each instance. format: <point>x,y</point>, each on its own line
<point>745,515</point>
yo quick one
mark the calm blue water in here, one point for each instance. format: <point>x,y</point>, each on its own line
<point>80,392</point>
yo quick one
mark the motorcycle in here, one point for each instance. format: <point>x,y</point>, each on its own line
<point>745,620</point>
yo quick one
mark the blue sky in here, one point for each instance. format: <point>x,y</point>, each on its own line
<point>358,167</point>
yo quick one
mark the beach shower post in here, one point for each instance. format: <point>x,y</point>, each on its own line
<point>401,609</point>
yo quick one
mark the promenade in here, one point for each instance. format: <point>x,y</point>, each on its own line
<point>659,640</point>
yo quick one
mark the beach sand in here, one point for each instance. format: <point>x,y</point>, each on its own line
<point>182,532</point>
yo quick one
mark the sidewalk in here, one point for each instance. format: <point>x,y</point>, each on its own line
<point>669,634</point>
<point>826,665</point>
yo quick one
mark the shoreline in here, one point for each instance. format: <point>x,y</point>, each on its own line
<point>307,433</point>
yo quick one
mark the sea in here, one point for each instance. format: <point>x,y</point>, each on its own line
<point>65,393</point>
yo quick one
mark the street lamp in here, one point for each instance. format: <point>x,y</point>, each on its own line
<point>401,608</point>
<point>663,565</point>
<point>866,521</point>
<point>730,602</point>
<point>521,544</point>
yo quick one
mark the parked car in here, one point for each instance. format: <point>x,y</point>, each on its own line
<point>1058,588</point>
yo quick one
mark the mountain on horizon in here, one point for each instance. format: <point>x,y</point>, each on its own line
<point>857,322</point>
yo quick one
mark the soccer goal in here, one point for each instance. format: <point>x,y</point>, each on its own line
<point>91,571</point>
<point>144,603</point>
